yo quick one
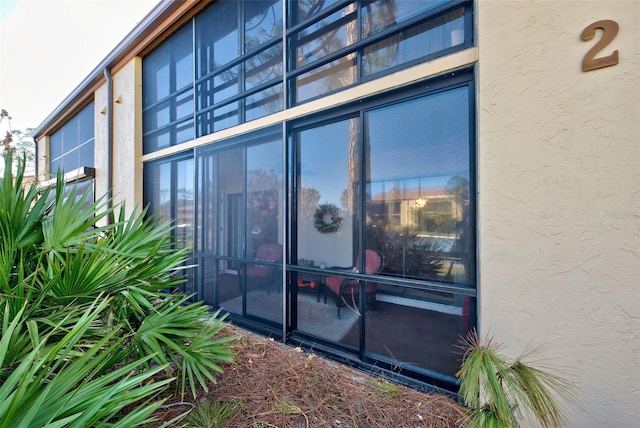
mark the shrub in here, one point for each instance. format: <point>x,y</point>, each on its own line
<point>498,394</point>
<point>85,314</point>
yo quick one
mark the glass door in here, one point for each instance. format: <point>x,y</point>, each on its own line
<point>241,203</point>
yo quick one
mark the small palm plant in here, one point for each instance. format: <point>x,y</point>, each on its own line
<point>211,414</point>
<point>498,394</point>
<point>86,321</point>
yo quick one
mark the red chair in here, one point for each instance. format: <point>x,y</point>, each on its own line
<point>263,275</point>
<point>346,290</point>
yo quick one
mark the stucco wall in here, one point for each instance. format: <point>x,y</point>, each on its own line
<point>559,196</point>
<point>127,136</point>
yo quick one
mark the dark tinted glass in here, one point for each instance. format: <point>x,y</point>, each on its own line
<point>431,328</point>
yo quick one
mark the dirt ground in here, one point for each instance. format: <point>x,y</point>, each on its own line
<point>274,385</point>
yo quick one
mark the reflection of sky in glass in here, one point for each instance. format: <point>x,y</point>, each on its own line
<point>323,160</point>
<point>427,137</point>
<point>266,157</point>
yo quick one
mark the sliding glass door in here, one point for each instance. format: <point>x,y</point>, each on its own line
<point>240,200</point>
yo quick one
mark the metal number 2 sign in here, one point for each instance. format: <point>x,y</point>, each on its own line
<point>609,32</point>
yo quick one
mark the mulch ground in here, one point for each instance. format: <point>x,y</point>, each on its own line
<point>274,385</point>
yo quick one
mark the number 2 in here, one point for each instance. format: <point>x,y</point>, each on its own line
<point>609,32</point>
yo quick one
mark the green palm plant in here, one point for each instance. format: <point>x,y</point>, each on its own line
<point>498,394</point>
<point>211,414</point>
<point>83,305</point>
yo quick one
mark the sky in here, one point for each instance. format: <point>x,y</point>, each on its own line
<point>48,47</point>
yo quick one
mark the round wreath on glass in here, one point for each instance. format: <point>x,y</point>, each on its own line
<point>327,218</point>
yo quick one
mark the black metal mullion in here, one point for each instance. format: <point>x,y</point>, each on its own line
<point>362,245</point>
<point>299,26</point>
<point>369,41</point>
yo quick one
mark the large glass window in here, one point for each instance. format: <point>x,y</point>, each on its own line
<point>338,44</point>
<point>167,90</point>
<point>71,146</point>
<point>238,63</point>
<point>236,48</point>
<point>402,252</point>
<point>418,186</point>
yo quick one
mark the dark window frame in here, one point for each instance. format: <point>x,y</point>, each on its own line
<point>362,357</point>
<point>442,83</point>
<point>358,47</point>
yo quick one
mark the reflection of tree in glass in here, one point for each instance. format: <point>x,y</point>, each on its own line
<point>263,190</point>
<point>402,255</point>
<point>308,198</point>
<point>459,188</point>
<point>378,16</point>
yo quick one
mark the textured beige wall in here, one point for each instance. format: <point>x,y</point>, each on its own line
<point>127,136</point>
<point>100,140</point>
<point>559,196</point>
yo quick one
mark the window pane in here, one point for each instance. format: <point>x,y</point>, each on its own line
<point>425,39</point>
<point>226,116</point>
<point>54,165</point>
<point>184,204</point>
<point>182,58</point>
<point>184,105</point>
<point>381,14</point>
<point>308,8</point>
<point>166,72</point>
<point>263,22</point>
<point>264,102</point>
<point>184,132</point>
<point>329,77</point>
<point>226,85</point>
<point>55,147</point>
<point>70,135</point>
<point>217,40</point>
<point>157,117</point>
<point>327,36</point>
<point>85,119</point>
<point>264,193</point>
<point>418,187</point>
<point>430,330</point>
<point>328,175</point>
<point>85,154</point>
<point>155,72</point>
<point>264,67</point>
